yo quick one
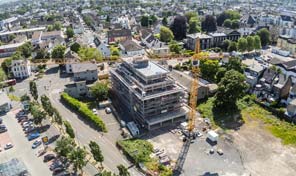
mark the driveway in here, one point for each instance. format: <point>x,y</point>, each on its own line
<point>22,148</point>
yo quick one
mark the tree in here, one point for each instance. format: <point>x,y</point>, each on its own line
<point>49,28</point>
<point>257,42</point>
<point>105,173</point>
<point>235,24</point>
<point>25,49</point>
<point>25,97</point>
<point>33,90</point>
<point>242,44</point>
<point>46,104</point>
<point>227,23</point>
<point>37,113</point>
<point>228,14</point>
<point>87,54</point>
<point>220,74</point>
<point>232,47</point>
<point>225,44</point>
<point>194,25</point>
<point>3,76</point>
<point>145,20</point>
<point>175,47</point>
<point>75,47</point>
<point>178,27</point>
<point>100,91</point>
<point>69,129</point>
<point>78,158</point>
<point>234,63</point>
<point>164,21</point>
<point>96,152</point>
<point>209,68</point>
<point>58,52</point>
<point>70,32</point>
<point>251,43</point>
<point>41,54</point>
<point>230,89</point>
<point>190,15</point>
<point>64,146</point>
<point>123,171</point>
<point>57,118</point>
<point>264,36</point>
<point>209,24</point>
<point>114,51</point>
<point>57,26</point>
<point>166,35</point>
<point>5,65</point>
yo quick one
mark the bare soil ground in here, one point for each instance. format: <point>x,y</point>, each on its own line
<point>261,152</point>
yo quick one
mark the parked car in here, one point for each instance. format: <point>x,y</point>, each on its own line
<point>94,111</point>
<point>2,130</point>
<point>22,118</point>
<point>48,157</point>
<point>36,144</point>
<point>220,151</point>
<point>33,136</point>
<point>108,110</point>
<point>8,146</point>
<point>58,170</point>
<point>55,164</point>
<point>29,129</point>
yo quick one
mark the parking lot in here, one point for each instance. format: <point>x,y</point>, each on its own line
<point>22,148</point>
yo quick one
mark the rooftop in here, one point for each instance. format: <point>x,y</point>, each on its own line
<point>23,30</point>
<point>199,35</point>
<point>82,67</point>
<point>13,45</point>
<point>147,68</point>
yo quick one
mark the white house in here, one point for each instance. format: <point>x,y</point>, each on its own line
<point>21,68</point>
<point>103,47</point>
<point>130,48</point>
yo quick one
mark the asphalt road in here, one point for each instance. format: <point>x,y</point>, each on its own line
<point>22,149</point>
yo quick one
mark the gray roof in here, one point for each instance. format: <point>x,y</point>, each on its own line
<point>199,35</point>
<point>83,67</point>
<point>130,45</point>
<point>146,69</point>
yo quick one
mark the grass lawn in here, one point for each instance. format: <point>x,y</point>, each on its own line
<point>139,151</point>
<point>13,97</point>
<point>281,129</point>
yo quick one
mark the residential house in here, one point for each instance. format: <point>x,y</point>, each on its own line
<point>103,47</point>
<point>10,49</point>
<point>78,89</point>
<point>5,103</point>
<point>21,68</point>
<point>287,43</point>
<point>70,58</point>
<point>84,71</point>
<point>204,39</point>
<point>273,86</point>
<point>247,21</point>
<point>204,87</point>
<point>286,21</point>
<point>253,73</point>
<point>118,35</point>
<point>217,39</point>
<point>131,48</point>
<point>5,36</point>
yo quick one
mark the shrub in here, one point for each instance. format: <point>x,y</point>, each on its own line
<point>69,129</point>
<point>82,109</point>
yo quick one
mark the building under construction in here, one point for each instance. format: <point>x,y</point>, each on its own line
<point>144,89</point>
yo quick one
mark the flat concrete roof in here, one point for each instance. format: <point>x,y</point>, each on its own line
<point>13,45</point>
<point>23,30</point>
<point>82,67</point>
<point>152,69</point>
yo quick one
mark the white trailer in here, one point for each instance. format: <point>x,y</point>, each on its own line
<point>213,136</point>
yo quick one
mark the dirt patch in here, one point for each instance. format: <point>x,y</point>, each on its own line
<point>262,153</point>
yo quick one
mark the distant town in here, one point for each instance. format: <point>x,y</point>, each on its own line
<point>148,87</point>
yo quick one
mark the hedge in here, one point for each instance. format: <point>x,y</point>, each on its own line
<point>69,129</point>
<point>82,109</point>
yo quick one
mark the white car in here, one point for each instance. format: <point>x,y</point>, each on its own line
<point>108,110</point>
<point>8,146</point>
<point>94,111</point>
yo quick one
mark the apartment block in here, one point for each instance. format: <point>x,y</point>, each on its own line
<point>152,98</point>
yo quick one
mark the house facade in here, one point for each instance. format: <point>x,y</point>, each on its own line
<point>21,68</point>
<point>130,48</point>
